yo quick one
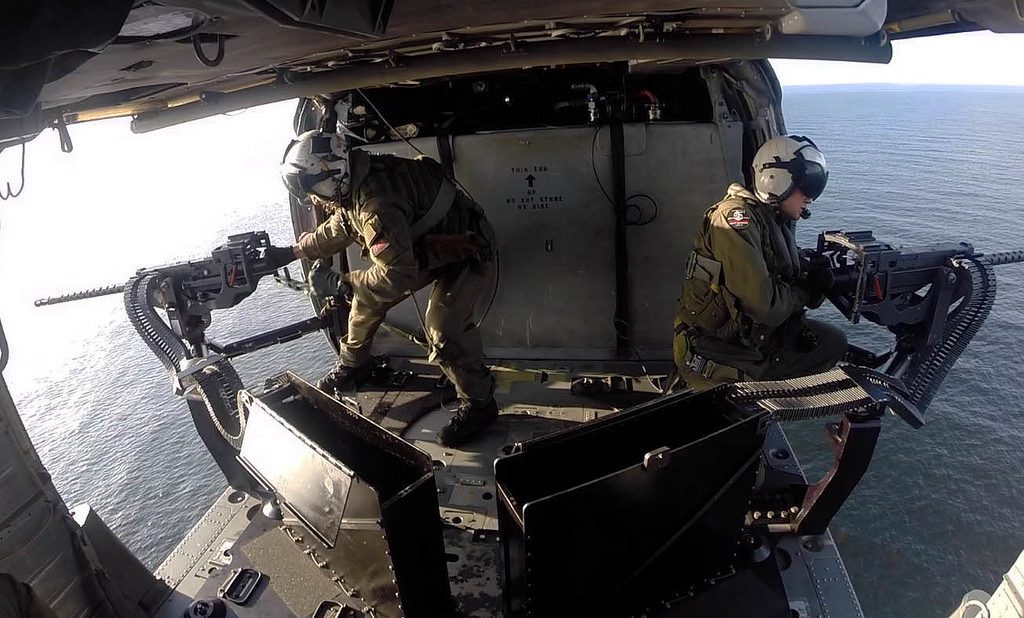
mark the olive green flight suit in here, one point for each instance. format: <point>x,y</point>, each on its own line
<point>740,306</point>
<point>388,196</point>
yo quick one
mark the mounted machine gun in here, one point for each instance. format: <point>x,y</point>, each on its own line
<point>934,299</point>
<point>188,292</point>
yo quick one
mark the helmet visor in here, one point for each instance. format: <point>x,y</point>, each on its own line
<point>301,184</point>
<point>291,182</point>
<point>811,178</point>
<point>320,145</point>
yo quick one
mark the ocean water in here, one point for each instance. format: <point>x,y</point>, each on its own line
<point>96,402</point>
<point>941,510</point>
<point>938,513</point>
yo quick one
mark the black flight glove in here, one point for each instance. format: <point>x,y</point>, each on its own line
<point>278,257</point>
<point>325,283</point>
<point>820,279</point>
<point>817,281</point>
<point>810,260</point>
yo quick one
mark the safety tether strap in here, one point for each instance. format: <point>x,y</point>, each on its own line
<point>444,149</point>
<point>437,211</point>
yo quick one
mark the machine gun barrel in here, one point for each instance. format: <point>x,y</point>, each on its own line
<point>67,298</point>
<point>1004,257</point>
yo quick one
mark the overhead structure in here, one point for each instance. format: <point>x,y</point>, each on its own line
<point>67,61</point>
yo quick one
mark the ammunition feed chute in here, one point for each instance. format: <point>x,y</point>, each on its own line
<point>188,292</point>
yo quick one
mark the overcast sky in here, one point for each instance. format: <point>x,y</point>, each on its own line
<point>968,58</point>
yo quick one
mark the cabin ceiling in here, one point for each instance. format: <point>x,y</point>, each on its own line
<point>167,61</point>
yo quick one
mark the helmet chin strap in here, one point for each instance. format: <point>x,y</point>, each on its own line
<point>776,205</point>
<point>342,182</point>
<point>341,191</point>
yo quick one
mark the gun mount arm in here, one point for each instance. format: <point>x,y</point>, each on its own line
<point>277,336</point>
<point>860,397</point>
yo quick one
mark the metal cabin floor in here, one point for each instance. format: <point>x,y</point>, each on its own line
<point>802,577</point>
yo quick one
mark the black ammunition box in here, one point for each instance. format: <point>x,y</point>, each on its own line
<point>632,510</point>
<point>368,496</point>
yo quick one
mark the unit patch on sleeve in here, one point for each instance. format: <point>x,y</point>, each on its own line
<point>373,237</point>
<point>383,238</point>
<point>738,218</point>
<point>378,247</point>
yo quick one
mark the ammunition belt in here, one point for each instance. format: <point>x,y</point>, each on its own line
<point>217,385</point>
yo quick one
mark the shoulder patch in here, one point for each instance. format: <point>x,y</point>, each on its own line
<point>371,230</point>
<point>383,238</point>
<point>378,247</point>
<point>738,218</point>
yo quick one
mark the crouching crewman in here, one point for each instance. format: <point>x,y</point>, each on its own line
<point>416,228</point>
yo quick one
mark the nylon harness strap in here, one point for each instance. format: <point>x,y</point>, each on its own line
<point>704,269</point>
<point>709,368</point>
<point>438,210</point>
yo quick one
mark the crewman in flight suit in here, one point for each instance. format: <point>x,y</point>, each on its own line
<point>416,228</point>
<point>741,312</point>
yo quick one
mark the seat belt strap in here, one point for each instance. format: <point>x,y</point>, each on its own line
<point>437,211</point>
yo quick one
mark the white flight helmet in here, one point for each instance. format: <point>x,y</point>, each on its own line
<point>787,162</point>
<point>316,162</point>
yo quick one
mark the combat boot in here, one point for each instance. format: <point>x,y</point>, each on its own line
<point>469,420</point>
<point>345,378</point>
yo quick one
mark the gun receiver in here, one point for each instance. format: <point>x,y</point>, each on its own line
<point>892,286</point>
<point>190,290</point>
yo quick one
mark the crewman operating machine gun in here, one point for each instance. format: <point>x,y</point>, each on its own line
<point>415,227</point>
<point>741,312</point>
